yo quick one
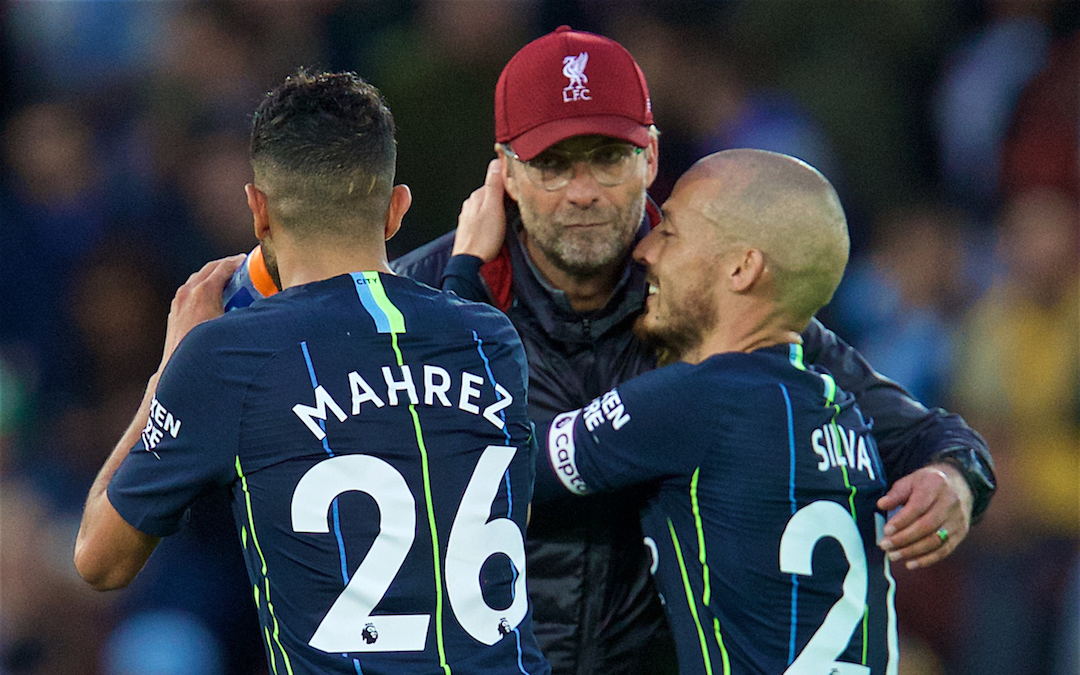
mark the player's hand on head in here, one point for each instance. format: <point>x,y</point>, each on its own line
<point>198,300</point>
<point>482,221</point>
<point>934,517</point>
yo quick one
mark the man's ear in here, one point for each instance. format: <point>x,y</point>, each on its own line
<point>400,201</point>
<point>509,176</point>
<point>652,161</point>
<point>746,269</point>
<point>256,200</point>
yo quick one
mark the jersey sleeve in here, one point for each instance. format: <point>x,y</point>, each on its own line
<point>638,432</point>
<point>188,446</point>
<point>462,277</point>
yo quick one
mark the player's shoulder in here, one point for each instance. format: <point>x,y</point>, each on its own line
<point>439,301</point>
<point>443,312</point>
<point>734,375</point>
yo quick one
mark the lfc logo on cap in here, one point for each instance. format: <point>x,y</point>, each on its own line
<point>574,70</point>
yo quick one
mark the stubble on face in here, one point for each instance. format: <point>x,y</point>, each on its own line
<point>679,319</point>
<point>583,242</point>
<point>270,260</point>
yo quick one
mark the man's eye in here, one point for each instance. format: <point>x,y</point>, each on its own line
<point>612,154</point>
<point>550,162</point>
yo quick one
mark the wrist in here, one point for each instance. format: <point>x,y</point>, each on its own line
<point>978,475</point>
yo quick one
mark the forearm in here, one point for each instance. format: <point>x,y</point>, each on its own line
<point>107,554</point>
<point>462,276</point>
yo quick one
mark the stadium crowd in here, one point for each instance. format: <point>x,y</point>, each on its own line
<point>951,131</point>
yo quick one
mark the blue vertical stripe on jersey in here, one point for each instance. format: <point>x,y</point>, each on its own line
<point>509,494</point>
<point>326,446</point>
<point>796,360</point>
<point>502,414</point>
<point>491,376</point>
<point>387,317</point>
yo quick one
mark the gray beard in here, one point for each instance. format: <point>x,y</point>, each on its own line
<point>585,257</point>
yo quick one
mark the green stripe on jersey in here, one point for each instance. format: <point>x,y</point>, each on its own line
<point>266,582</point>
<point>378,293</point>
<point>690,602</point>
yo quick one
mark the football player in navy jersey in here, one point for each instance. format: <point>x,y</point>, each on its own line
<point>372,431</point>
<point>763,521</point>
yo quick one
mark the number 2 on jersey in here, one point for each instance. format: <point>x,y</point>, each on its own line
<point>809,524</point>
<point>349,626</point>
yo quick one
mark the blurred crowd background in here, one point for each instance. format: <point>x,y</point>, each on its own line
<point>950,128</point>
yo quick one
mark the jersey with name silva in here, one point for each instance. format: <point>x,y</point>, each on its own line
<point>374,437</point>
<point>763,522</point>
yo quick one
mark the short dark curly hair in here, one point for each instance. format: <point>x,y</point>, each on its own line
<point>323,150</point>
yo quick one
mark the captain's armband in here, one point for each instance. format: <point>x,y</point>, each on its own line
<point>562,452</point>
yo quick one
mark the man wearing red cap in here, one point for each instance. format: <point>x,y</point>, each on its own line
<point>577,151</point>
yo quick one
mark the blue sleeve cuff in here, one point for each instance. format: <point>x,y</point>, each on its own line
<point>462,276</point>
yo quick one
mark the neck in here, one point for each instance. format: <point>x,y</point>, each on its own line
<point>299,265</point>
<point>586,293</point>
<point>750,330</point>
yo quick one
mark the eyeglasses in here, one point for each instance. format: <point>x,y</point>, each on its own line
<point>610,164</point>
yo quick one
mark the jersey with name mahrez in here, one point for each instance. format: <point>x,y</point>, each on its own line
<point>374,436</point>
<point>763,523</point>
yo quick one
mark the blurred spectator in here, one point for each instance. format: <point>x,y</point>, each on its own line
<point>703,102</point>
<point>162,642</point>
<point>897,304</point>
<point>1018,375</point>
<point>83,47</point>
<point>1067,652</point>
<point>116,305</point>
<point>212,183</point>
<point>1018,382</point>
<point>15,410</point>
<point>438,75</point>
<point>1043,143</point>
<point>54,209</point>
<point>977,94</point>
<point>51,623</point>
<point>203,69</point>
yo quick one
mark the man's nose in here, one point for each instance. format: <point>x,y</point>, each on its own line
<point>583,188</point>
<point>644,249</point>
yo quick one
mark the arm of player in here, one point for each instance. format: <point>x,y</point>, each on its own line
<point>916,444</point>
<point>109,552</point>
<point>462,277</point>
<point>628,436</point>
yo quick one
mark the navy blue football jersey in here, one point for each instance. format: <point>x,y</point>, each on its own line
<point>762,523</point>
<point>374,436</point>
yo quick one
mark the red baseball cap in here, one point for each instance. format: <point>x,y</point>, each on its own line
<point>570,83</point>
